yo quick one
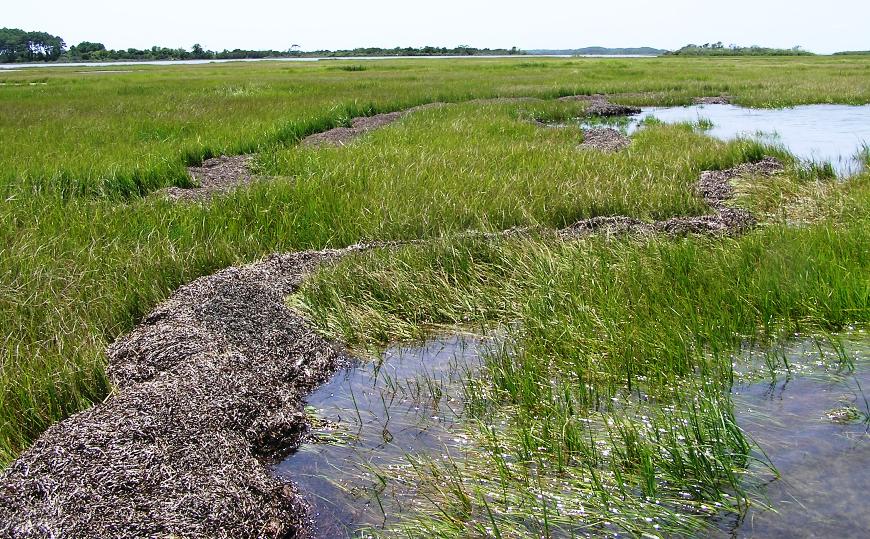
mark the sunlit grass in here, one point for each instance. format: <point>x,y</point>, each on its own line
<point>609,408</point>
<point>83,256</point>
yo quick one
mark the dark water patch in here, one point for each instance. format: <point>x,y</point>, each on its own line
<point>814,428</point>
<point>835,134</point>
<point>369,418</point>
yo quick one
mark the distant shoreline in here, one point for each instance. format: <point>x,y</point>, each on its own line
<point>16,66</point>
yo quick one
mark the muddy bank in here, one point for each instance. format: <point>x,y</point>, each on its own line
<point>605,139</point>
<point>210,384</point>
<point>599,105</point>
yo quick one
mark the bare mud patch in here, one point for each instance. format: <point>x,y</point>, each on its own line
<point>216,175</point>
<point>604,139</point>
<point>339,136</point>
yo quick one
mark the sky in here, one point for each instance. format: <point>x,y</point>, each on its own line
<point>822,27</point>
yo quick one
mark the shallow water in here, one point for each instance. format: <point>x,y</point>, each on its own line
<point>820,133</point>
<point>824,464</point>
<point>408,402</point>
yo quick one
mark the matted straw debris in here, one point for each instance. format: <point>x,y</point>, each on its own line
<point>340,136</point>
<point>599,105</point>
<point>209,382</point>
<point>712,100</point>
<point>604,139</point>
<point>214,176</point>
<point>714,186</point>
<point>226,173</point>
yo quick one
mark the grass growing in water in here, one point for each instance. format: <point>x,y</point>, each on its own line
<point>610,410</point>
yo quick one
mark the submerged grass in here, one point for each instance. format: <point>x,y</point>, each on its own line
<point>609,411</point>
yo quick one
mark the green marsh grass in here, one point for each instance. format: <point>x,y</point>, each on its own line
<point>83,255</point>
<point>609,411</point>
<point>129,133</point>
<point>78,272</point>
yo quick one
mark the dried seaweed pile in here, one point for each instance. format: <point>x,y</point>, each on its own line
<point>215,175</point>
<point>714,186</point>
<point>358,126</point>
<point>599,105</point>
<point>212,380</point>
<point>605,139</point>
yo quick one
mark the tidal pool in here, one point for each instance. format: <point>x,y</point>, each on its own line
<point>815,133</point>
<point>369,417</point>
<point>811,422</point>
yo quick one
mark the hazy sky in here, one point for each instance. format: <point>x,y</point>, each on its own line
<point>823,27</point>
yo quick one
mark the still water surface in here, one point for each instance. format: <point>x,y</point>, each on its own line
<point>819,133</point>
<point>410,401</point>
<point>822,454</point>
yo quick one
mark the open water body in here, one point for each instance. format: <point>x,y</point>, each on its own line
<point>410,401</point>
<point>814,133</point>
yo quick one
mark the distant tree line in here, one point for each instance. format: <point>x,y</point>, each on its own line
<point>20,46</point>
<point>461,50</point>
<point>852,53</point>
<point>603,51</point>
<point>718,49</point>
<point>97,52</point>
